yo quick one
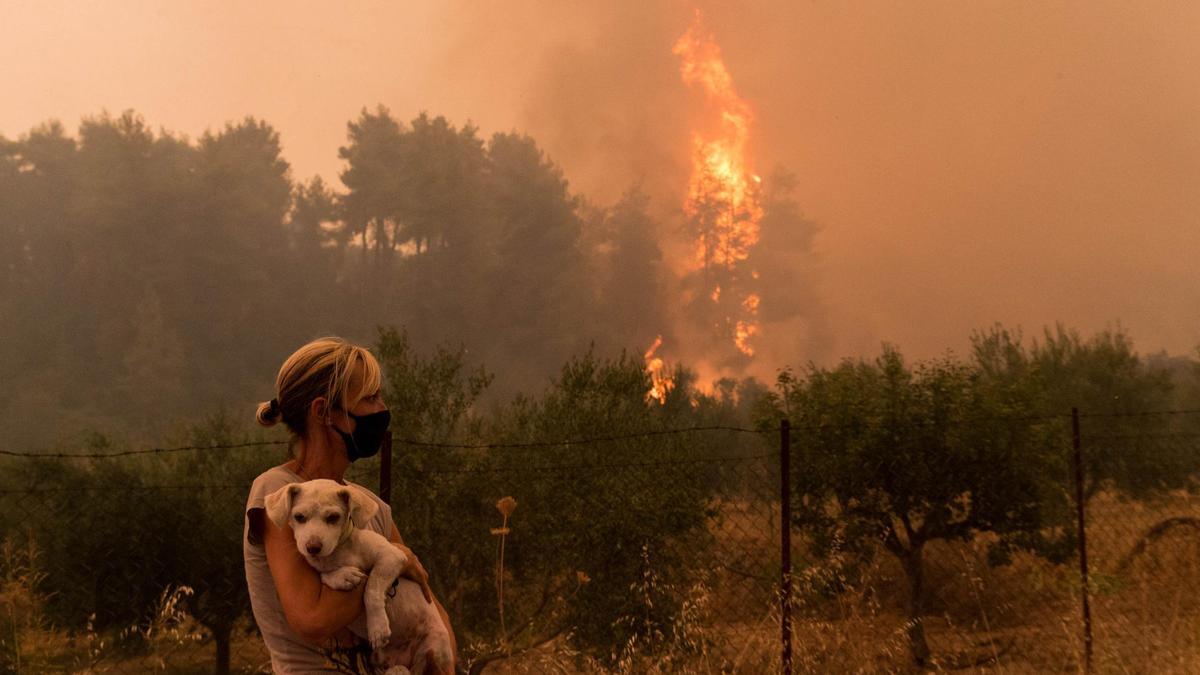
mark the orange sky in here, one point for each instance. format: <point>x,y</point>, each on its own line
<point>1022,162</point>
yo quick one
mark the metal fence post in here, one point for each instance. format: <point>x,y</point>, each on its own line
<point>1083,560</point>
<point>785,542</point>
<point>385,470</point>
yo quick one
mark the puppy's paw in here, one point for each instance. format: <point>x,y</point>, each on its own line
<point>397,670</point>
<point>344,578</point>
<point>378,630</point>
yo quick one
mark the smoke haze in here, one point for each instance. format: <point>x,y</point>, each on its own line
<point>965,163</point>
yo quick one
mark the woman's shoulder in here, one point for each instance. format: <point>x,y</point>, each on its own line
<point>367,491</point>
<point>269,481</point>
<point>264,484</point>
<point>281,472</point>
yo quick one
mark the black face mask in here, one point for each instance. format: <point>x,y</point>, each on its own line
<point>369,431</point>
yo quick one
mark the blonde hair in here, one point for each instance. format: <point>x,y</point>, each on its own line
<point>328,367</point>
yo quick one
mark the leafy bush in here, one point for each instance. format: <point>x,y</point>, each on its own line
<point>588,510</point>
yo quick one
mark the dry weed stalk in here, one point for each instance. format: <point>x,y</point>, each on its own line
<point>554,597</point>
<point>505,506</point>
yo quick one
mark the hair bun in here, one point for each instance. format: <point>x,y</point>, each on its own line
<point>268,413</point>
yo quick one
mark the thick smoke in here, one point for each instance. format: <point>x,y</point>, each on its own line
<point>1026,164</point>
<point>606,99</point>
<point>968,163</point>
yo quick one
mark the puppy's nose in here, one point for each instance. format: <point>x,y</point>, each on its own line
<point>313,548</point>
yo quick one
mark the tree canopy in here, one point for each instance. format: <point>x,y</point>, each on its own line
<point>176,272</point>
<point>895,455</point>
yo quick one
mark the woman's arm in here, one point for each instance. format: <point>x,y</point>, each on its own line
<point>419,575</point>
<point>315,611</point>
<point>414,570</point>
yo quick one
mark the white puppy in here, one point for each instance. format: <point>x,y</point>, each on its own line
<point>327,519</point>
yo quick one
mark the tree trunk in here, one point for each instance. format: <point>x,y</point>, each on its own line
<point>914,569</point>
<point>222,636</point>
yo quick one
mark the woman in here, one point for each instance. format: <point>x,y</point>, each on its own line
<point>328,396</point>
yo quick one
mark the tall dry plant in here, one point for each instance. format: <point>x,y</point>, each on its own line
<point>505,506</point>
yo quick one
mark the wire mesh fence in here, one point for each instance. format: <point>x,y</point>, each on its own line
<point>652,546</point>
<point>1142,540</point>
<point>655,545</point>
<point>116,561</point>
<point>911,554</point>
<point>655,551</point>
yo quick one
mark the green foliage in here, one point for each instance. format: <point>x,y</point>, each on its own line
<point>429,398</point>
<point>145,275</point>
<point>373,157</point>
<point>1113,389</point>
<point>117,238</point>
<point>204,544</point>
<point>586,512</point>
<point>904,455</point>
<point>116,534</point>
<point>602,522</point>
<point>630,267</point>
<point>899,456</point>
<point>1099,375</point>
<point>892,455</point>
<point>464,239</point>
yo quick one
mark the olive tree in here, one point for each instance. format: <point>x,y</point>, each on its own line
<point>900,456</point>
<point>1116,393</point>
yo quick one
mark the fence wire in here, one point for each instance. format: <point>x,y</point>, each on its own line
<point>1143,540</point>
<point>654,551</point>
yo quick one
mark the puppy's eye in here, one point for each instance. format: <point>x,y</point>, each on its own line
<point>300,518</point>
<point>333,519</point>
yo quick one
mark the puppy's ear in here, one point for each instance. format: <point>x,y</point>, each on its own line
<point>360,507</point>
<point>279,504</point>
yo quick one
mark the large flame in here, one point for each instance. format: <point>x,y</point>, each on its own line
<point>723,193</point>
<point>660,382</point>
<point>722,203</point>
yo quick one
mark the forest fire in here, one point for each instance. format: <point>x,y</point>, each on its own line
<point>722,202</point>
<point>722,206</point>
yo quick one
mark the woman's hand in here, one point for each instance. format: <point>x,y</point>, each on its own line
<point>414,571</point>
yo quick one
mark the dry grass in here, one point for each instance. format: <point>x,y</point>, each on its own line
<point>1020,618</point>
<point>169,641</point>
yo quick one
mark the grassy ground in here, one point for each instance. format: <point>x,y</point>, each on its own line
<point>1019,618</point>
<point>55,652</point>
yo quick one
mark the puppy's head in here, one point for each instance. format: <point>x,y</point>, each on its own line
<point>320,513</point>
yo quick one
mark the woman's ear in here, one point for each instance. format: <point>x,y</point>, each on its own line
<point>319,410</point>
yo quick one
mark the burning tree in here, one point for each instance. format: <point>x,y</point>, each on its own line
<point>722,207</point>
